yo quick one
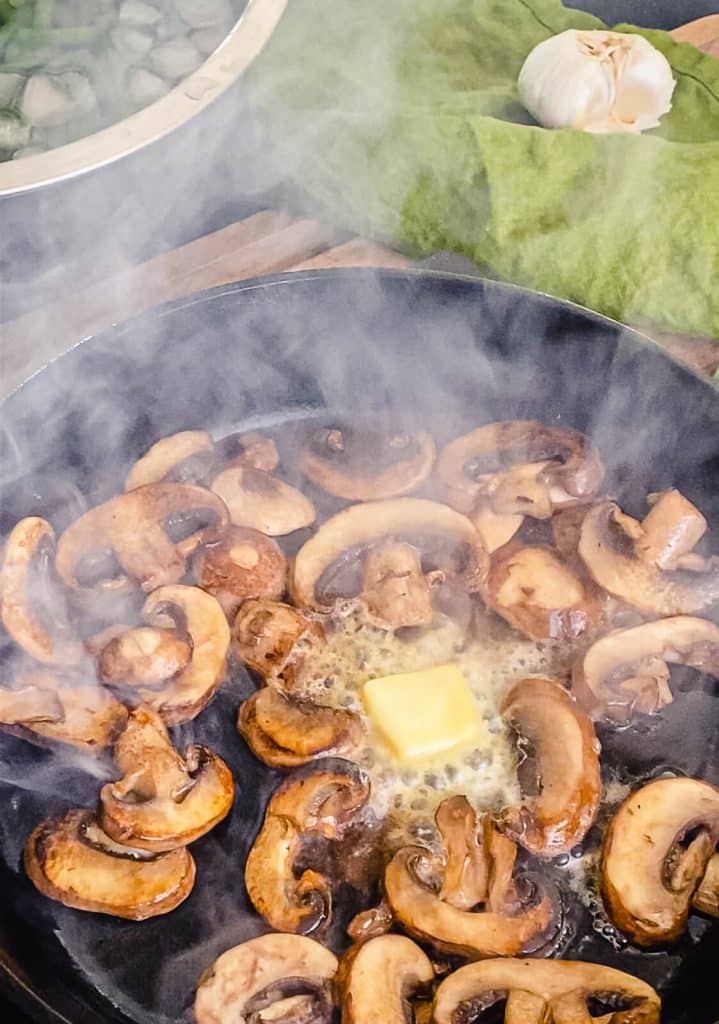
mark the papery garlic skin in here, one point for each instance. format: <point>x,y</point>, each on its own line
<point>597,81</point>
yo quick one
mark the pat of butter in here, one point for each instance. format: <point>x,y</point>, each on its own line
<point>423,714</point>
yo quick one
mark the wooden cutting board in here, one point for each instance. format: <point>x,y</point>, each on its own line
<point>266,243</point>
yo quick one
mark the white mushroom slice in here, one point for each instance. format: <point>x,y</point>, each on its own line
<point>655,855</point>
<point>263,502</point>
<point>262,975</point>
<point>628,670</point>
<point>200,616</point>
<point>162,801</point>
<point>671,530</point>
<point>495,530</point>
<point>441,535</point>
<point>71,860</point>
<point>165,455</point>
<point>31,608</point>
<point>539,991</point>
<point>378,978</point>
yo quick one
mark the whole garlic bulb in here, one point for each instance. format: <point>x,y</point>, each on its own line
<point>597,81</point>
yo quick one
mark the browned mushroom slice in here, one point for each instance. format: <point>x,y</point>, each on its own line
<point>168,456</point>
<point>628,670</point>
<point>190,611</point>
<point>289,734</point>
<point>45,708</point>
<point>333,563</point>
<point>560,777</point>
<point>321,803</point>
<point>610,548</point>
<point>538,991</point>
<point>243,564</point>
<point>70,859</point>
<point>369,924</point>
<point>364,464</point>
<point>519,468</point>
<point>263,502</point>
<point>538,594</point>
<point>162,800</point>
<point>275,640</point>
<point>706,897</point>
<point>31,606</point>
<point>144,656</point>
<point>395,587</point>
<point>413,880</point>
<point>479,861</point>
<point>655,854</point>
<point>261,979</point>
<point>377,979</point>
<point>129,540</point>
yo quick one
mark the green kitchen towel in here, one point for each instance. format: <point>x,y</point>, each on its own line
<point>401,119</point>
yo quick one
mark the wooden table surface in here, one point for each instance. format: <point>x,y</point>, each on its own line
<point>266,243</point>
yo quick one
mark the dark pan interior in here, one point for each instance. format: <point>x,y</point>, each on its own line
<point>445,352</point>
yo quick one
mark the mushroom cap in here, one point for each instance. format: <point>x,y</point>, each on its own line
<point>377,978</point>
<point>262,972</point>
<point>243,564</point>
<point>30,607</point>
<point>144,656</point>
<point>45,709</point>
<point>542,990</point>
<point>365,464</point>
<point>287,734</point>
<point>199,615</point>
<point>411,885</point>
<point>566,752</point>
<point>162,801</point>
<point>607,548</point>
<point>419,522</point>
<point>167,455</point>
<point>263,502</point>
<point>274,640</point>
<point>648,877</point>
<point>135,527</point>
<point>69,859</point>
<point>521,467</point>
<point>537,593</point>
<point>324,801</point>
<point>628,668</point>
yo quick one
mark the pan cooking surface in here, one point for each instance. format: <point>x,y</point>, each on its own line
<point>446,354</point>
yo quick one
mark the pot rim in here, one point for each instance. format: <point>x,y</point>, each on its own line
<point>222,68</point>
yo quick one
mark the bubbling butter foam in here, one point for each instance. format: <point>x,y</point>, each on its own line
<point>406,796</point>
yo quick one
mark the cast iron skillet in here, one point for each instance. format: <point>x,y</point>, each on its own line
<point>449,353</point>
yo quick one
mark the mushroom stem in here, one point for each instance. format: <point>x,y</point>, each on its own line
<point>395,588</point>
<point>671,530</point>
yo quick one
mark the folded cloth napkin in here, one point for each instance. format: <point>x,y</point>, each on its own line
<point>401,119</point>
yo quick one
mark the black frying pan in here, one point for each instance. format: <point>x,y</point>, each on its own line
<point>447,352</point>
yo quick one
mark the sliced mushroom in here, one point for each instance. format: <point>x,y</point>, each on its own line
<point>628,670</point>
<point>538,594</point>
<point>519,468</point>
<point>495,530</point>
<point>395,587</point>
<point>243,564</point>
<point>289,734</point>
<point>611,548</point>
<point>479,861</point>
<point>655,855</point>
<point>287,979</point>
<point>263,502</point>
<point>332,563</point>
<point>413,880</point>
<point>369,924</point>
<point>670,531</point>
<point>561,795</point>
<point>322,804</point>
<point>365,464</point>
<point>71,860</point>
<point>46,708</point>
<point>129,540</point>
<point>31,606</point>
<point>276,640</point>
<point>169,455</point>
<point>190,611</point>
<point>706,897</point>
<point>144,656</point>
<point>378,978</point>
<point>539,991</point>
<point>162,800</point>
